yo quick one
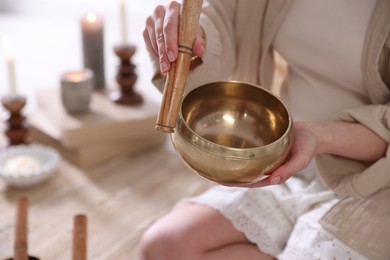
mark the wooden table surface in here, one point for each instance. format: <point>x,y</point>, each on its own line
<point>120,198</point>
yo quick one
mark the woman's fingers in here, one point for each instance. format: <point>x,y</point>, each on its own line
<point>158,17</point>
<point>171,23</point>
<point>199,46</point>
<point>296,163</point>
<point>161,35</point>
<point>148,35</point>
<point>303,151</point>
<point>293,165</point>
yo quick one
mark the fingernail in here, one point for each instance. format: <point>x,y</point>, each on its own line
<point>275,180</point>
<point>164,66</point>
<point>171,56</point>
<point>202,49</point>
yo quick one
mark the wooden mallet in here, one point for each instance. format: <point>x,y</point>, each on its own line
<point>176,79</point>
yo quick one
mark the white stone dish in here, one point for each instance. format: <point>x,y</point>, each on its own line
<point>25,166</point>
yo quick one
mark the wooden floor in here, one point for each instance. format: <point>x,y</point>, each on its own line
<point>121,199</point>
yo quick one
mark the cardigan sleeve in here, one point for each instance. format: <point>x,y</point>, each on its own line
<point>355,178</point>
<point>364,210</point>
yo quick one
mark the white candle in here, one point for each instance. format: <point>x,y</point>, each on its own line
<point>123,20</point>
<point>10,63</point>
<point>93,47</point>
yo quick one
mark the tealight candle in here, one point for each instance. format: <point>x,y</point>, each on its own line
<point>22,164</point>
<point>76,90</point>
<point>10,64</point>
<point>93,47</point>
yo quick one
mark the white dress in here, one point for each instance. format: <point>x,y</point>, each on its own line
<point>322,42</point>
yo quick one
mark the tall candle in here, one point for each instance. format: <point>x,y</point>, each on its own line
<point>123,20</point>
<point>10,60</point>
<point>93,47</point>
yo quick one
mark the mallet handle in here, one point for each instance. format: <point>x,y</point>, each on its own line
<point>176,79</point>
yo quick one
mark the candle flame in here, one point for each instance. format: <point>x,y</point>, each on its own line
<point>91,17</point>
<point>7,45</point>
<point>76,78</point>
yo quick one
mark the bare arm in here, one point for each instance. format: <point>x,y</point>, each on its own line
<point>351,140</point>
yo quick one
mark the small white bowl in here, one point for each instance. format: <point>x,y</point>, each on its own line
<point>24,166</point>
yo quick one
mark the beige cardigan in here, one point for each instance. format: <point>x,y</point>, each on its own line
<point>362,218</point>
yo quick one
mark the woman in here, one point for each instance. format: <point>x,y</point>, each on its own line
<point>330,199</point>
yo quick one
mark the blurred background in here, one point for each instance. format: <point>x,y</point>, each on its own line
<point>46,41</point>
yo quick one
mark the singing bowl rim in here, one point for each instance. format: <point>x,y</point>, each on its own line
<point>232,152</point>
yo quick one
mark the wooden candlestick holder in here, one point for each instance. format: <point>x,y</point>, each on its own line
<point>126,77</point>
<point>16,128</point>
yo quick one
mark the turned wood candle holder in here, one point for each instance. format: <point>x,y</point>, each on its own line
<point>16,128</point>
<point>126,77</point>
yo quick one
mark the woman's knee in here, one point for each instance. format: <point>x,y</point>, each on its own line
<point>168,238</point>
<point>185,233</point>
<point>156,243</point>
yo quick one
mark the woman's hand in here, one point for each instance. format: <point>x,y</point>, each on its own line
<point>161,35</point>
<point>306,146</point>
<point>351,140</point>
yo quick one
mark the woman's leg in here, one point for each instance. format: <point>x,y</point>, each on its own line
<point>194,232</point>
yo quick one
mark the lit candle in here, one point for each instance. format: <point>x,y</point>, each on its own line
<point>76,90</point>
<point>10,63</point>
<point>123,20</point>
<point>93,47</point>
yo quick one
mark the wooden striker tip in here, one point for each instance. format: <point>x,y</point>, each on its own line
<point>165,129</point>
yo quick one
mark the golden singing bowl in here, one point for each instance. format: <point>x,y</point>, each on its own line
<point>233,133</point>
